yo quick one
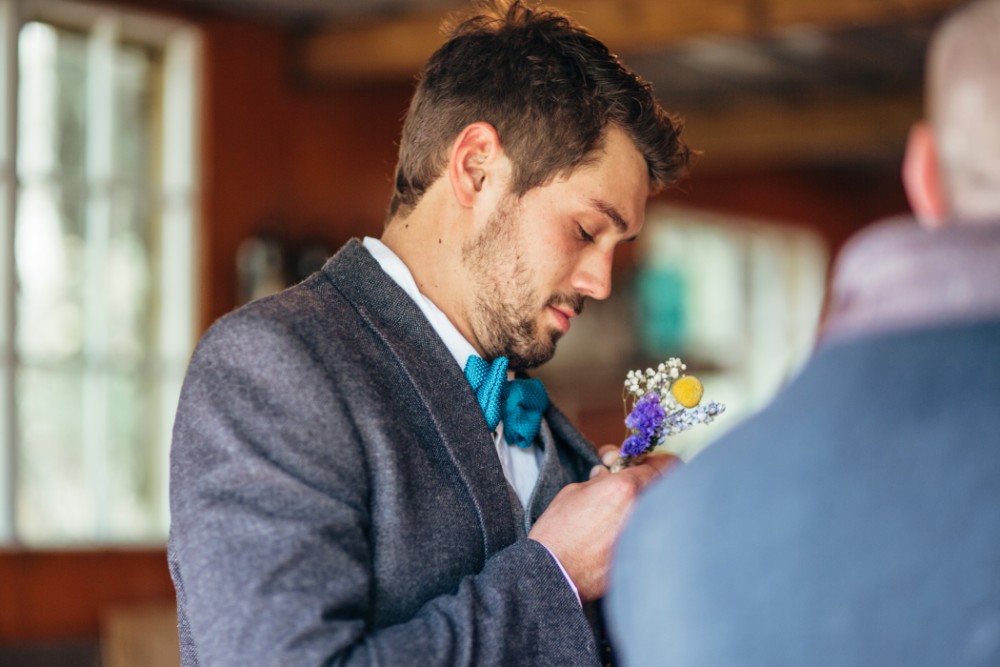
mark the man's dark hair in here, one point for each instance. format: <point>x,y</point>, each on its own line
<point>549,88</point>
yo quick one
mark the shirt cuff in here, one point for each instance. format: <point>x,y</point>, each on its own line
<point>565,575</point>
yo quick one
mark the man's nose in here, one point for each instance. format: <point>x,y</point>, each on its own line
<point>593,275</point>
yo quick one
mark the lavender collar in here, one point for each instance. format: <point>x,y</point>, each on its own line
<point>896,275</point>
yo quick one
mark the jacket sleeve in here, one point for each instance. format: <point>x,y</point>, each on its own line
<point>272,568</point>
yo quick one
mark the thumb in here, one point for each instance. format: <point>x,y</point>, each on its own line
<point>599,471</point>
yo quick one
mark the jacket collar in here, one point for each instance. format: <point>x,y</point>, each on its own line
<point>896,275</point>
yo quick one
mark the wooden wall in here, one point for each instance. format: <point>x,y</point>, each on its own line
<point>284,157</point>
<point>52,596</point>
<point>835,200</point>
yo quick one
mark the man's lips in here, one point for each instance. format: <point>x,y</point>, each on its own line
<point>562,316</point>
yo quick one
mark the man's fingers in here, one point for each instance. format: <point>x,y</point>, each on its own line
<point>651,467</point>
<point>661,461</point>
<point>599,471</point>
<point>608,454</point>
<point>641,474</point>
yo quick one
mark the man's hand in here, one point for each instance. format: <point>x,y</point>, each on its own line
<point>581,524</point>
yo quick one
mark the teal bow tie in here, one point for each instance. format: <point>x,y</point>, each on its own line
<point>520,403</point>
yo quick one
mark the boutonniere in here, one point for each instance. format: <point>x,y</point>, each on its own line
<point>658,404</point>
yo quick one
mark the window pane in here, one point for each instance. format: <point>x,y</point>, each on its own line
<point>132,456</point>
<point>128,280</point>
<point>49,251</point>
<point>52,104</point>
<point>133,109</point>
<point>53,503</point>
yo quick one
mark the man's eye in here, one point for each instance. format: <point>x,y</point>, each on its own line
<point>583,234</point>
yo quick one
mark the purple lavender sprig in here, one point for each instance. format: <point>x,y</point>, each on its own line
<point>646,422</point>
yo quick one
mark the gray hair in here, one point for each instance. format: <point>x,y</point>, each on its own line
<point>964,106</point>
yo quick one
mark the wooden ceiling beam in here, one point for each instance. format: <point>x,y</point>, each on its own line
<point>753,134</point>
<point>394,48</point>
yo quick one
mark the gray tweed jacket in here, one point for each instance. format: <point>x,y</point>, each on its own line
<point>336,498</point>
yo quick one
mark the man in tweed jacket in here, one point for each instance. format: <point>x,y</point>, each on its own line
<point>337,495</point>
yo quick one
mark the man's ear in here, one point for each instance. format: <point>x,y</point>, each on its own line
<point>471,161</point>
<point>922,177</point>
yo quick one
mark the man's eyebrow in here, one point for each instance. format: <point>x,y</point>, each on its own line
<point>612,213</point>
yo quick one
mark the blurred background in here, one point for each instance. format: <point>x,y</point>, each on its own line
<point>164,161</point>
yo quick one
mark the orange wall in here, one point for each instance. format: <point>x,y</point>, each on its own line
<point>60,595</point>
<point>834,200</point>
<point>280,156</point>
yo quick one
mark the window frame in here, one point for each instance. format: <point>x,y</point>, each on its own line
<point>178,210</point>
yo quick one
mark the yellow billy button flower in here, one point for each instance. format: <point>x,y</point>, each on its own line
<point>687,389</point>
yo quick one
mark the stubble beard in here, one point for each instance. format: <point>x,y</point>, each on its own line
<point>506,310</point>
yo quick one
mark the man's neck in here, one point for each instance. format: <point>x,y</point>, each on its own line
<point>426,241</point>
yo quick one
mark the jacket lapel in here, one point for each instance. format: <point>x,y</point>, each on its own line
<point>558,469</point>
<point>426,363</point>
<point>565,432</point>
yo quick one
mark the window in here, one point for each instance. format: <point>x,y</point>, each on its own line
<point>97,221</point>
<point>738,300</point>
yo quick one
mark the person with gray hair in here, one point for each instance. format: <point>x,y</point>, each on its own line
<point>856,519</point>
<point>963,98</point>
